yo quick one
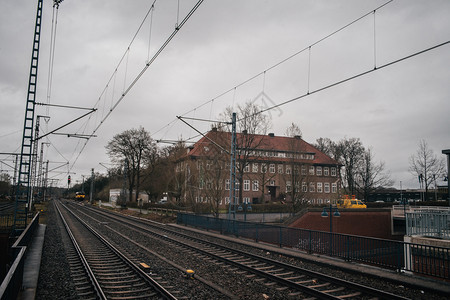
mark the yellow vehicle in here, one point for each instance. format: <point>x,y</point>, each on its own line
<point>352,202</point>
<point>79,196</point>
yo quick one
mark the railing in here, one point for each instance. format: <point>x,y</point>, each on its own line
<point>12,283</point>
<point>396,255</point>
<point>429,223</point>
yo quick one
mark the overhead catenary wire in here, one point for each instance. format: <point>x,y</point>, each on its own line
<point>262,73</point>
<point>352,77</point>
<point>147,65</point>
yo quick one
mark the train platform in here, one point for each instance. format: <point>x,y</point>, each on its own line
<point>32,265</point>
<point>402,279</point>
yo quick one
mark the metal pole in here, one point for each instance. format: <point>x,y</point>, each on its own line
<point>447,152</point>
<point>232,206</point>
<point>91,199</point>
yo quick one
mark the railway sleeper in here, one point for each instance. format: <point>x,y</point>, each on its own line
<point>121,281</point>
<point>334,290</point>
<point>349,295</point>
<point>319,285</point>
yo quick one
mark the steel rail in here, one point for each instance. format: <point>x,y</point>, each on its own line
<point>273,277</point>
<point>160,289</point>
<point>90,273</point>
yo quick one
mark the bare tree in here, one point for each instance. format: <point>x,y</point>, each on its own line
<point>132,145</point>
<point>371,175</point>
<point>425,165</point>
<point>296,173</point>
<point>352,155</point>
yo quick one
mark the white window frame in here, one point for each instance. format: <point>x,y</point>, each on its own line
<point>255,185</point>
<point>319,187</point>
<point>333,171</point>
<point>227,184</point>
<point>246,185</point>
<point>311,170</point>
<point>280,169</point>
<point>263,168</point>
<point>326,171</point>
<point>272,168</point>
<point>255,167</point>
<point>326,187</point>
<point>288,170</point>
<point>312,187</point>
<point>334,187</point>
<point>319,171</point>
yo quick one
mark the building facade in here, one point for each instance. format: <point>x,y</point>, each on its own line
<point>269,169</point>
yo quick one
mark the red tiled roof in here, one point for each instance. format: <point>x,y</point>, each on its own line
<point>262,142</point>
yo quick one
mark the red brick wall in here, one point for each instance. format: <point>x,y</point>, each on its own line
<point>372,223</point>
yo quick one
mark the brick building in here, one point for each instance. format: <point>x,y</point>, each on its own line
<point>269,168</point>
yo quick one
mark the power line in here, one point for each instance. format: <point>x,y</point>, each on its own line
<point>147,65</point>
<point>308,48</point>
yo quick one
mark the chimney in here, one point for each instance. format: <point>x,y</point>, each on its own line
<point>214,129</point>
<point>298,137</point>
<point>271,134</point>
<point>244,131</point>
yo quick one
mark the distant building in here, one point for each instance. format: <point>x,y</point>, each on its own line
<point>408,195</point>
<point>114,195</point>
<point>269,169</point>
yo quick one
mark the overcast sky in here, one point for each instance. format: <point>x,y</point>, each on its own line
<point>222,45</point>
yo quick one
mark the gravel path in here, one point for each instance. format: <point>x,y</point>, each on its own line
<point>54,281</point>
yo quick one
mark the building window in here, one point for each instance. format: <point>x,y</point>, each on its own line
<point>304,187</point>
<point>246,185</point>
<point>334,187</point>
<point>209,185</point>
<point>311,170</point>
<point>272,168</point>
<point>272,182</point>
<point>227,184</point>
<point>288,170</point>
<point>227,200</point>
<point>288,186</point>
<point>333,171</point>
<point>280,169</point>
<point>246,200</point>
<point>312,187</point>
<point>319,171</point>
<point>326,171</point>
<point>327,187</point>
<point>255,185</point>
<point>319,187</point>
<point>247,168</point>
<point>236,186</point>
<point>201,184</point>
<point>255,167</point>
<point>303,170</point>
<point>263,168</point>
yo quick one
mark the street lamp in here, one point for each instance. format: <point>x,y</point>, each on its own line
<point>447,152</point>
<point>335,214</point>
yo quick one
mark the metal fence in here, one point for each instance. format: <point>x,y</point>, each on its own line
<point>429,223</point>
<point>12,283</point>
<point>396,255</point>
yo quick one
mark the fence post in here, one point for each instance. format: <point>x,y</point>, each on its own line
<point>281,237</point>
<point>310,242</point>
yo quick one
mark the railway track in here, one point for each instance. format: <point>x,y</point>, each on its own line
<point>101,271</point>
<point>294,280</point>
